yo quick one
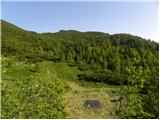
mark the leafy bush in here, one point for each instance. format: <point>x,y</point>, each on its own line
<point>110,78</point>
<point>96,77</point>
<point>39,96</point>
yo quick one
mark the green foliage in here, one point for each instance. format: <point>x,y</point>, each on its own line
<point>141,101</point>
<point>120,59</point>
<point>26,94</point>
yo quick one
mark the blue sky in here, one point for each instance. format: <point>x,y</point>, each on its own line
<point>138,18</point>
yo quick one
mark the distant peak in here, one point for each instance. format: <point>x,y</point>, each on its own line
<point>69,31</point>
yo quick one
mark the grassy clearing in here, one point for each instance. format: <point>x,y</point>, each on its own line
<point>81,91</point>
<point>77,96</point>
<point>62,70</point>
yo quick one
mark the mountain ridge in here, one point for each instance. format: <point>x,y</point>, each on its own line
<point>3,22</point>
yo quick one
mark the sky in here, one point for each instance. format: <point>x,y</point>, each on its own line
<point>137,18</point>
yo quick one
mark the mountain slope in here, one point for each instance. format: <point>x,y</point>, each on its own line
<point>119,60</point>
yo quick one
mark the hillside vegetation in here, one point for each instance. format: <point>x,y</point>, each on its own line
<point>50,75</point>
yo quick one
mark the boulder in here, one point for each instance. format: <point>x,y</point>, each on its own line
<point>92,104</point>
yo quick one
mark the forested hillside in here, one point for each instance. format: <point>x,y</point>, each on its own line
<point>128,62</point>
